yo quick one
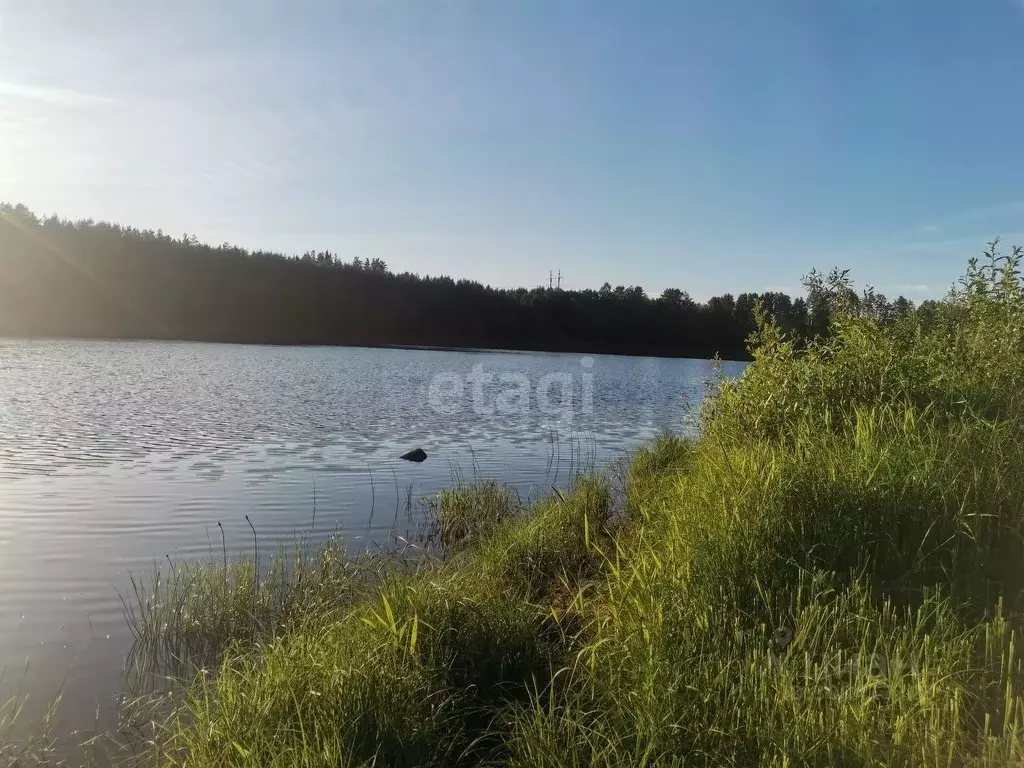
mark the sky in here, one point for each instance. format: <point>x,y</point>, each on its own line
<point>715,146</point>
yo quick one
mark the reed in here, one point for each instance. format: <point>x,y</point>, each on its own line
<point>185,615</point>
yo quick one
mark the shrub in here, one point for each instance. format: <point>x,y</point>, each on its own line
<point>967,356</point>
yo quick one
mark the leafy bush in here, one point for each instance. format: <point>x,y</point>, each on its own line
<point>966,355</point>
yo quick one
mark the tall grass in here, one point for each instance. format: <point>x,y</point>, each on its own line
<point>26,743</point>
<point>830,574</point>
<point>186,615</point>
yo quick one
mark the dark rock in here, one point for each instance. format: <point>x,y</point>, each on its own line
<point>416,455</point>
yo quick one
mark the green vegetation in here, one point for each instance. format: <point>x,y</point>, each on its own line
<point>829,575</point>
<point>21,744</point>
<point>92,279</point>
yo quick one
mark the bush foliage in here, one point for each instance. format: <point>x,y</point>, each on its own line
<point>960,356</point>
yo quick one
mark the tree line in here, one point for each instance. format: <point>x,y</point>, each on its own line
<point>88,279</point>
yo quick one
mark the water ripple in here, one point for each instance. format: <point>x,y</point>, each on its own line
<point>116,454</point>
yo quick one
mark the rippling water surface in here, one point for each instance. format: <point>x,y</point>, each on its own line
<point>114,455</point>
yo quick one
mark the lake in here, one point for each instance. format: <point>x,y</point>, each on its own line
<point>115,455</point>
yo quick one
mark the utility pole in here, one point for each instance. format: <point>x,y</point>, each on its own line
<point>550,278</point>
<point>559,279</point>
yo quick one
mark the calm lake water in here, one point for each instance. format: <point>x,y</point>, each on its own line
<point>114,455</point>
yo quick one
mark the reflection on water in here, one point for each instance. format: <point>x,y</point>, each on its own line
<point>114,455</point>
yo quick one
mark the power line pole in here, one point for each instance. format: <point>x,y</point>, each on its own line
<point>550,278</point>
<point>559,279</point>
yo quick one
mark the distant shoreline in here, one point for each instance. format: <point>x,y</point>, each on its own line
<point>411,347</point>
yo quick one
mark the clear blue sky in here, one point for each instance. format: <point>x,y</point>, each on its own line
<point>713,146</point>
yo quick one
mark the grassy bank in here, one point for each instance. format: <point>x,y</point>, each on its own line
<point>832,574</point>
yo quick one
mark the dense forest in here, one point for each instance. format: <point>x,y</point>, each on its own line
<point>92,279</point>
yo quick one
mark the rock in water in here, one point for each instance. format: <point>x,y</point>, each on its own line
<point>416,455</point>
